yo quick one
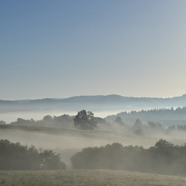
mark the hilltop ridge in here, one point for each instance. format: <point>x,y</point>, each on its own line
<point>96,102</point>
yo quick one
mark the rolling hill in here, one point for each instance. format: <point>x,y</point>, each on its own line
<point>93,103</point>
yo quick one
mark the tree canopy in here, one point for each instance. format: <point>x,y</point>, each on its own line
<point>15,156</point>
<point>163,158</point>
<point>85,120</point>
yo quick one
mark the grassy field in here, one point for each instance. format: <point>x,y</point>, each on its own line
<point>86,178</point>
<point>67,142</point>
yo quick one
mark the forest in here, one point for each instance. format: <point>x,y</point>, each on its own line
<point>165,116</point>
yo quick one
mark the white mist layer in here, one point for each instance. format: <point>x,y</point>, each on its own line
<point>12,116</point>
<point>68,142</point>
<point>38,115</point>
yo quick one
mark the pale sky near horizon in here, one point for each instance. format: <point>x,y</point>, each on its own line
<point>58,49</point>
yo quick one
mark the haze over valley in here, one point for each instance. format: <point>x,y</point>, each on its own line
<point>102,106</point>
<point>92,93</point>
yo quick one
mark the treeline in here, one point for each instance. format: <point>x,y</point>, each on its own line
<point>14,156</point>
<point>63,121</point>
<point>167,117</point>
<point>163,158</point>
<point>127,123</point>
<point>155,129</point>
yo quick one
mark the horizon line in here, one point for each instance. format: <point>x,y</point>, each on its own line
<point>90,96</point>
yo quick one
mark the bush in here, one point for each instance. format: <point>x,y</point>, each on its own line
<point>14,156</point>
<point>164,158</point>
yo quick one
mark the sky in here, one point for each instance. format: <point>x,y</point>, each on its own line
<point>59,49</point>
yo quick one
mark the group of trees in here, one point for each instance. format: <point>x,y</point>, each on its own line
<point>167,116</point>
<point>163,158</point>
<point>14,156</point>
<point>154,128</point>
<point>151,128</point>
<point>85,120</point>
<point>63,121</point>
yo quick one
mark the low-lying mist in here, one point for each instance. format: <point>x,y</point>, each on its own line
<point>67,142</point>
<point>9,117</point>
<point>162,158</point>
<point>58,133</point>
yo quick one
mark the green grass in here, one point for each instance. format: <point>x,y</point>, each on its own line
<point>86,178</point>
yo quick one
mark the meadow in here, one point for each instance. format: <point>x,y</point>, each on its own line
<point>67,142</point>
<point>86,178</point>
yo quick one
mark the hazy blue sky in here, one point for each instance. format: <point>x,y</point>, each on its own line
<point>65,48</point>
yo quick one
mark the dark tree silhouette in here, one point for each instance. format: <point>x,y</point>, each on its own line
<point>14,156</point>
<point>85,120</point>
<point>138,126</point>
<point>163,144</point>
<point>119,121</point>
<point>163,158</point>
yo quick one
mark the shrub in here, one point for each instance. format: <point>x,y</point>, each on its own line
<point>14,156</point>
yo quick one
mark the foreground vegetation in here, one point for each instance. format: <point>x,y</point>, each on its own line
<point>86,178</point>
<point>14,156</point>
<point>163,158</point>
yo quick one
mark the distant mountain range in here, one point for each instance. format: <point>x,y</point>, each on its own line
<point>93,103</point>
